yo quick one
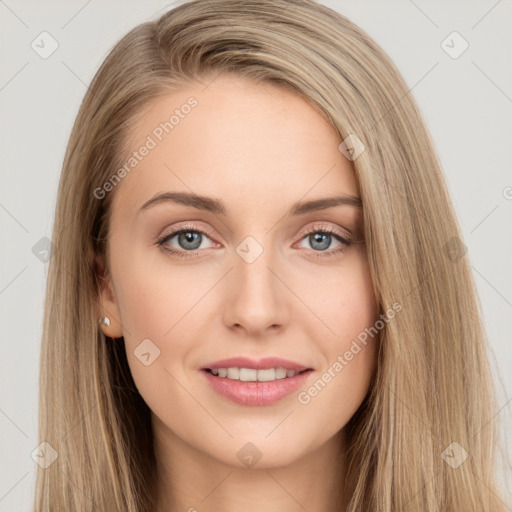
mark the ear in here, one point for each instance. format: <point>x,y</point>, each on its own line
<point>106,302</point>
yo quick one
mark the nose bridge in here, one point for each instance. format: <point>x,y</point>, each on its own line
<point>256,301</point>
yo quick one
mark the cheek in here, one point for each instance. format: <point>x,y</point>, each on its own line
<point>342,303</point>
<point>154,311</point>
<point>156,295</point>
<point>163,309</point>
<point>339,389</point>
<point>348,307</point>
<point>358,340</point>
<point>357,307</point>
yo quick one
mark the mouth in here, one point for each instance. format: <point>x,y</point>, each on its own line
<point>264,382</point>
<point>255,375</point>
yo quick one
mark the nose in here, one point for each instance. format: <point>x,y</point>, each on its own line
<point>256,298</point>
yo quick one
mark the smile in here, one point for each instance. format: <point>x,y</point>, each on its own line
<point>252,392</point>
<point>253,375</point>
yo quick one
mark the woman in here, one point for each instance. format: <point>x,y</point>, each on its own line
<point>259,295</point>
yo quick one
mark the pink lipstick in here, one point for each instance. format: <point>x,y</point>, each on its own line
<point>250,382</point>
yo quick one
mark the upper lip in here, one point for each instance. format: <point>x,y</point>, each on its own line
<point>261,364</point>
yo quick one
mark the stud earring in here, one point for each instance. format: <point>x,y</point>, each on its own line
<point>105,321</point>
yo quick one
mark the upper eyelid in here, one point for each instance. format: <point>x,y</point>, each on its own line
<point>185,227</point>
<point>340,233</point>
<point>312,227</point>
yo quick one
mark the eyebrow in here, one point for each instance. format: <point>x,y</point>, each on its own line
<point>216,206</point>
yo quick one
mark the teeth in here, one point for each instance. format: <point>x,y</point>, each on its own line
<point>252,375</point>
<point>282,373</point>
<point>233,373</point>
<point>247,374</point>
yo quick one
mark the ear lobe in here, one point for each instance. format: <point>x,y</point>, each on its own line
<point>106,301</point>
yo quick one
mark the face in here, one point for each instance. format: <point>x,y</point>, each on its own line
<point>243,274</point>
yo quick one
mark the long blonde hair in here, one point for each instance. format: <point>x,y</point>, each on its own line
<point>432,386</point>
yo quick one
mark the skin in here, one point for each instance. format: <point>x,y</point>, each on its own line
<point>259,149</point>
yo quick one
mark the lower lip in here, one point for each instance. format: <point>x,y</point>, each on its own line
<point>256,393</point>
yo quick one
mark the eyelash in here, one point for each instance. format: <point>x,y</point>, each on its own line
<point>190,254</point>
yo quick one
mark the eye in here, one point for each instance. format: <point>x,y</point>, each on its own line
<point>320,239</point>
<point>188,238</point>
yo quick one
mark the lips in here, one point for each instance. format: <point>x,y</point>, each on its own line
<point>261,364</point>
<point>256,393</point>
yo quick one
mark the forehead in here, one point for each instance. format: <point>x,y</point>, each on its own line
<point>235,139</point>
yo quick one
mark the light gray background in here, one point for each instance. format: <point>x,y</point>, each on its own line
<point>466,103</point>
